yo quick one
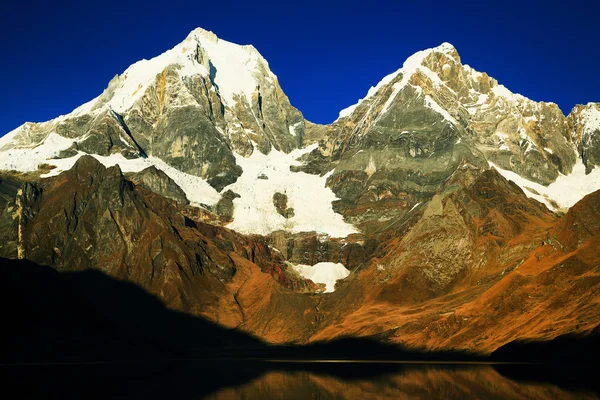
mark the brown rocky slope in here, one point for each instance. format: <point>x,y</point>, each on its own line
<point>478,266</point>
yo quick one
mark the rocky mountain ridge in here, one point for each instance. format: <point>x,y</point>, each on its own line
<point>454,204</point>
<point>198,105</point>
<point>473,254</point>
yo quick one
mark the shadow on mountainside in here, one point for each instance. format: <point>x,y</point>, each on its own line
<point>565,349</point>
<point>84,334</point>
<point>569,361</point>
<point>89,316</point>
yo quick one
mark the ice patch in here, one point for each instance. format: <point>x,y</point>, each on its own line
<point>415,206</point>
<point>292,128</point>
<point>591,120</point>
<point>233,68</point>
<point>254,211</point>
<point>324,272</point>
<point>429,102</point>
<point>28,158</point>
<point>565,191</point>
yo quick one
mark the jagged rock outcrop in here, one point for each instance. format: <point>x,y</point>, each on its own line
<point>483,266</point>
<point>157,181</point>
<point>449,253</point>
<point>224,207</point>
<point>191,106</point>
<point>435,282</point>
<point>584,122</point>
<point>91,217</point>
<point>312,248</point>
<point>206,105</point>
<point>396,147</point>
<point>280,201</point>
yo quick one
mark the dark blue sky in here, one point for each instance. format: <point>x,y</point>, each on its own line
<point>58,55</point>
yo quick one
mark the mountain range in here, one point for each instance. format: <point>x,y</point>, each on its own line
<point>440,212</point>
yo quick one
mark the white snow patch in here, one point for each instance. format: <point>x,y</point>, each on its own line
<point>565,191</point>
<point>429,102</point>
<point>371,168</point>
<point>591,120</point>
<point>415,206</point>
<point>548,150</point>
<point>254,211</point>
<point>346,112</point>
<point>292,128</point>
<point>235,71</point>
<point>324,272</point>
<point>7,138</point>
<point>502,91</point>
<point>482,99</point>
<point>475,74</point>
<point>27,158</point>
<point>502,137</point>
<point>236,66</point>
<point>472,110</point>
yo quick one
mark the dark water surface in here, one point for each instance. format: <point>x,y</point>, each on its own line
<point>243,379</point>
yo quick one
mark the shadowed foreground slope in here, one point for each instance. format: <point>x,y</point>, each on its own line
<point>58,323</point>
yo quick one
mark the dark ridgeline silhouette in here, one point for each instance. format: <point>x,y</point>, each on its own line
<point>86,335</point>
<point>565,349</point>
<point>91,336</point>
<point>89,316</point>
<point>568,361</point>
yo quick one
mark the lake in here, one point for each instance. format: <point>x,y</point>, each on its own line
<point>245,379</point>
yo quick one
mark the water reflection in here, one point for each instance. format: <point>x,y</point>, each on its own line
<point>236,379</point>
<point>408,382</point>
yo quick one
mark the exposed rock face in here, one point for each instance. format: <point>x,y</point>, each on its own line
<point>438,280</point>
<point>504,273</point>
<point>434,91</point>
<point>450,254</point>
<point>312,248</point>
<point>205,102</point>
<point>458,232</point>
<point>398,145</point>
<point>157,181</point>
<point>191,107</point>
<point>91,217</point>
<point>224,207</point>
<point>585,129</point>
<point>280,201</point>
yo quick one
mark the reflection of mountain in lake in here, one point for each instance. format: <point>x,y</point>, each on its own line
<point>121,343</point>
<point>421,382</point>
<point>251,380</point>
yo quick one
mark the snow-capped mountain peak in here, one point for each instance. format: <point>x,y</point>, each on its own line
<point>235,70</point>
<point>211,115</point>
<point>412,64</point>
